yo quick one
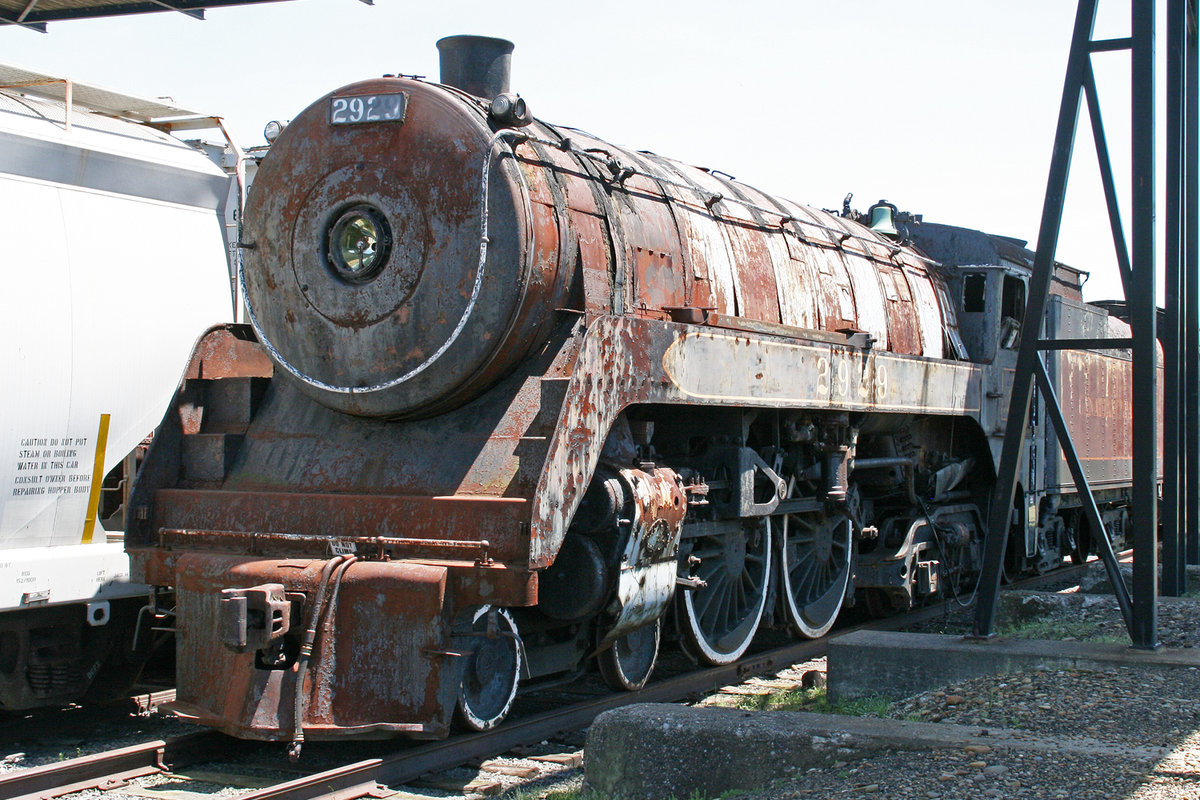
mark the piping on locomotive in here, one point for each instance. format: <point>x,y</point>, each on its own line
<point>516,398</point>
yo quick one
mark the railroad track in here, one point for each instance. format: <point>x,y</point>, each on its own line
<point>408,762</point>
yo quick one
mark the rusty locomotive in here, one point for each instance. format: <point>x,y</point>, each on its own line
<point>516,400</point>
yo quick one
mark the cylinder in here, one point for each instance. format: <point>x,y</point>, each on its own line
<point>479,65</point>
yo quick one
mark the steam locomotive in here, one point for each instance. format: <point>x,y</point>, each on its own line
<point>515,400</point>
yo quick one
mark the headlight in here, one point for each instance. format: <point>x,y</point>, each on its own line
<point>274,128</point>
<point>357,244</point>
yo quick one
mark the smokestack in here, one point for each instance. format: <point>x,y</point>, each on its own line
<point>479,65</point>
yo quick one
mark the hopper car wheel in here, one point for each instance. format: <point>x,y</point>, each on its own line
<point>718,620</point>
<point>1081,542</point>
<point>491,671</point>
<point>627,664</point>
<point>1014,560</point>
<point>814,568</point>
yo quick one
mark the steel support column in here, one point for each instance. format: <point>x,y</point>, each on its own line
<point>1191,284</point>
<point>1138,274</point>
<point>1183,295</point>
<point>1174,505</point>
<point>1035,312</point>
<point>1143,311</point>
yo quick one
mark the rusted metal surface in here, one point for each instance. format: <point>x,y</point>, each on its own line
<point>333,517</point>
<point>1094,388</point>
<point>226,351</point>
<point>646,582</point>
<point>627,361</point>
<point>473,583</point>
<point>934,316</point>
<point>532,284</point>
<point>299,467</point>
<point>295,442</point>
<point>684,237</point>
<point>382,662</point>
<point>413,312</point>
<point>1097,408</point>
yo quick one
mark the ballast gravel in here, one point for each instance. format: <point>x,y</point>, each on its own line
<point>1127,706</point>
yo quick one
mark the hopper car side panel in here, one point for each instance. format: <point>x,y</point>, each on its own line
<point>115,258</point>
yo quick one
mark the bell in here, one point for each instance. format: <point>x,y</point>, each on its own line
<point>881,219</point>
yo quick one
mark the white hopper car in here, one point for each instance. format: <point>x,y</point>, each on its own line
<point>116,253</point>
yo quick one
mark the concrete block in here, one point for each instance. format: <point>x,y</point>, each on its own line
<point>897,665</point>
<point>658,751</point>
<point>662,751</point>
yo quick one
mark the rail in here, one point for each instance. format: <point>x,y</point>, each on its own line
<point>113,768</point>
<point>370,777</point>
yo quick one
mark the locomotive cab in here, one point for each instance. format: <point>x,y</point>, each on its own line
<point>987,277</point>
<point>991,306</point>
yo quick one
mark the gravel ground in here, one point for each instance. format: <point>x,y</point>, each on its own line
<point>969,775</point>
<point>1074,616</point>
<point>34,741</point>
<point>1126,706</point>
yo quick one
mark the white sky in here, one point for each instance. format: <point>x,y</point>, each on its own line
<point>944,107</point>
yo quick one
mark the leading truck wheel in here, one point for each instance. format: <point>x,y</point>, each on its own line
<point>491,671</point>
<point>719,618</point>
<point>627,663</point>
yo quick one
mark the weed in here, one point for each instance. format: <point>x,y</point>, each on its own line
<point>875,705</point>
<point>815,700</point>
<point>1057,629</point>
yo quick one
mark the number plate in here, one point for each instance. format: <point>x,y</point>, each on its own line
<point>368,108</point>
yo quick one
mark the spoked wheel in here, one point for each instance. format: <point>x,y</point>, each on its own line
<point>718,620</point>
<point>490,671</point>
<point>814,568</point>
<point>628,662</point>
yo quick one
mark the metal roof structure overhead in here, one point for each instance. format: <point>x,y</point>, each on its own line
<point>36,13</point>
<point>94,98</point>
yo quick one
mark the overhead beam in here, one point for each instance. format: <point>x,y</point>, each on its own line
<point>25,12</point>
<point>39,16</point>
<point>194,13</point>
<point>8,19</point>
